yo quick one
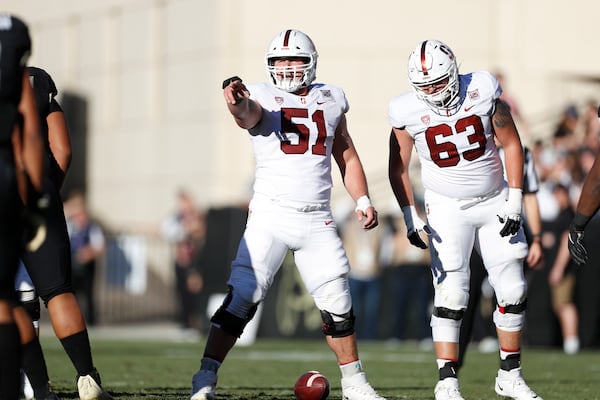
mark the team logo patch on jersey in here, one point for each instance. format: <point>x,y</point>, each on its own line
<point>326,94</point>
<point>279,100</point>
<point>474,94</point>
<point>425,119</point>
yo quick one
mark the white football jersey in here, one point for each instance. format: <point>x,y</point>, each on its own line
<point>293,141</point>
<point>457,152</point>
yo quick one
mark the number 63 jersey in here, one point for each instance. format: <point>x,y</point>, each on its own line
<point>457,152</point>
<point>293,141</point>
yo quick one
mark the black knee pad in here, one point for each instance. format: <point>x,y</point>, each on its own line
<point>443,312</point>
<point>338,329</point>
<point>228,322</point>
<point>513,308</point>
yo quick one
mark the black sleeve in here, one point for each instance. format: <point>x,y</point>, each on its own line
<point>531,182</point>
<point>44,89</point>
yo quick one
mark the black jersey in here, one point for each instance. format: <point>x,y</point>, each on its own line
<point>49,267</point>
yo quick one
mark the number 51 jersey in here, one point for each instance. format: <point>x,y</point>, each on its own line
<point>293,141</point>
<point>457,152</point>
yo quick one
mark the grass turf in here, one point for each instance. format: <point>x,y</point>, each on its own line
<point>268,369</point>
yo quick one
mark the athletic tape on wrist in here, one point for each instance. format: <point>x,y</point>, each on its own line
<point>363,203</point>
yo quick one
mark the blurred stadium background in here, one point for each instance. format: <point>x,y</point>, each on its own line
<point>140,84</point>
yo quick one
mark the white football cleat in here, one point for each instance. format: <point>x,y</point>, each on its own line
<point>447,389</point>
<point>512,385</point>
<point>357,387</point>
<point>204,383</point>
<point>89,387</point>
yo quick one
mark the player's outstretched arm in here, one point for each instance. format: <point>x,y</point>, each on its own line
<point>246,112</point>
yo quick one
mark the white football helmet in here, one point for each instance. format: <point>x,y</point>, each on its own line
<point>432,62</point>
<point>291,43</point>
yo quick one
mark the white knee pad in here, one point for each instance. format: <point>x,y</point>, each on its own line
<point>515,293</point>
<point>512,299</point>
<point>445,329</point>
<point>334,297</point>
<point>451,298</point>
<point>510,317</point>
<point>450,303</point>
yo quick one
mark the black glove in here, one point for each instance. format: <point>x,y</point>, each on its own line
<point>512,223</point>
<point>227,81</point>
<point>415,239</point>
<point>576,248</point>
<point>34,221</point>
<point>510,214</point>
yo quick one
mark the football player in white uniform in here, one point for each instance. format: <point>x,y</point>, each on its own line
<point>295,126</point>
<point>451,120</point>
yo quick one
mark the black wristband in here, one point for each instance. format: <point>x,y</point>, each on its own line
<point>227,81</point>
<point>580,221</point>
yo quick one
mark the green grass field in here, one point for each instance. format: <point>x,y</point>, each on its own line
<point>268,369</point>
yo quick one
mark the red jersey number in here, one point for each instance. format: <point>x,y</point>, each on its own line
<point>446,154</point>
<point>303,131</point>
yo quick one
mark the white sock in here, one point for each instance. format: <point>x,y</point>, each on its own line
<point>351,369</point>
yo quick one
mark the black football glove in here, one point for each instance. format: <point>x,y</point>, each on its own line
<point>227,81</point>
<point>414,224</point>
<point>512,223</point>
<point>510,214</point>
<point>415,239</point>
<point>576,247</point>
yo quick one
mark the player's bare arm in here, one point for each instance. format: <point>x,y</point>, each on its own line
<point>32,145</point>
<point>246,112</point>
<point>60,141</point>
<point>401,145</point>
<point>507,134</point>
<point>400,151</point>
<point>588,204</point>
<point>589,201</point>
<point>532,211</point>
<point>353,175</point>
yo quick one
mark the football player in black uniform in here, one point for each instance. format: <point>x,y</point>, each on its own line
<point>50,265</point>
<point>21,176</point>
<point>587,206</point>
